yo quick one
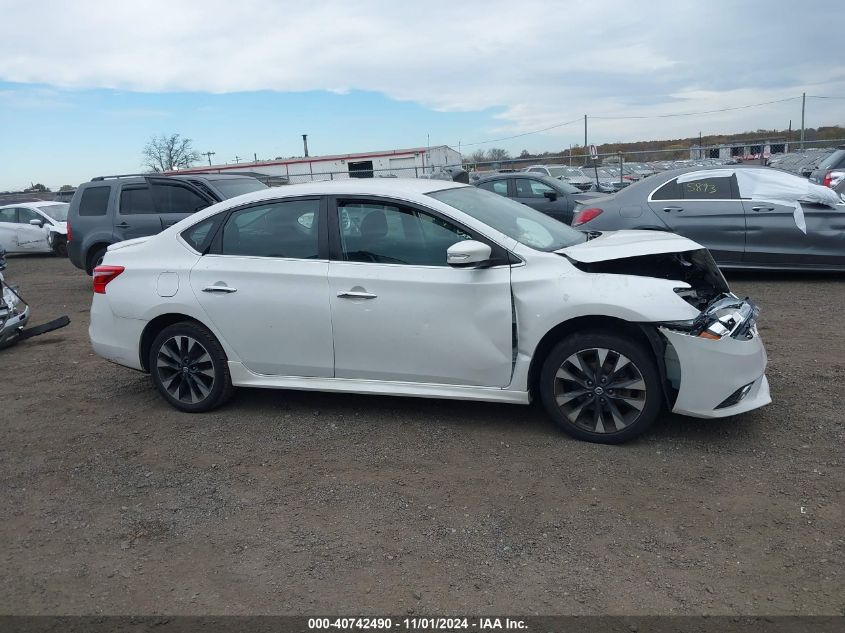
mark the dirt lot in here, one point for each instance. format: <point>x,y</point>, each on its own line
<point>290,502</point>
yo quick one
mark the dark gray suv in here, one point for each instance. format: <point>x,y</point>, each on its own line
<point>110,209</point>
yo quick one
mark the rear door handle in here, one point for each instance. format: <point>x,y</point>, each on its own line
<point>762,208</point>
<point>670,209</point>
<point>352,294</point>
<point>223,289</point>
<point>122,225</point>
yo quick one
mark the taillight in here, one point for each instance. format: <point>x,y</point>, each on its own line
<point>103,275</point>
<point>826,179</point>
<point>585,215</point>
<point>68,230</point>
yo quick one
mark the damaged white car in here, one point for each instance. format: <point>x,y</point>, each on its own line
<point>34,227</point>
<point>429,289</point>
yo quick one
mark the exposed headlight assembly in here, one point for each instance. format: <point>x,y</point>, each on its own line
<point>729,316</point>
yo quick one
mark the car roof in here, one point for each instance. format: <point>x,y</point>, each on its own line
<point>352,186</point>
<point>212,176</point>
<point>35,203</point>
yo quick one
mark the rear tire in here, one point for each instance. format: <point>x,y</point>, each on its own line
<point>95,258</point>
<point>601,387</point>
<point>189,368</point>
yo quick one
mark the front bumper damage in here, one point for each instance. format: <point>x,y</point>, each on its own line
<point>14,314</point>
<point>717,377</point>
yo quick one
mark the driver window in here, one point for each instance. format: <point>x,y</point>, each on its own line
<point>390,234</point>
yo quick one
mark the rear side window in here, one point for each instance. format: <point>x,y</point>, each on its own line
<point>173,198</point>
<point>136,200</point>
<point>94,201</point>
<point>496,186</point>
<point>8,215</point>
<point>278,229</point>
<point>707,189</point>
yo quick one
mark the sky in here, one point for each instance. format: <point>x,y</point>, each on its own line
<point>84,85</point>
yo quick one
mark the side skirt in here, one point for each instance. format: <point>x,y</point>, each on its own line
<point>242,377</point>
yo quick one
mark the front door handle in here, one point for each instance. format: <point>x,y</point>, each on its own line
<point>670,209</point>
<point>762,208</point>
<point>223,289</point>
<point>122,225</point>
<point>353,294</point>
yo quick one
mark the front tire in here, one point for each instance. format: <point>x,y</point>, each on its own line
<point>601,387</point>
<point>189,368</point>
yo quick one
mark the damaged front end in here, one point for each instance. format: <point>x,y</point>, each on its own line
<point>696,268</point>
<point>14,314</point>
<point>715,363</point>
<point>712,365</point>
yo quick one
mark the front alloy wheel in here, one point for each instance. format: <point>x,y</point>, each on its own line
<point>601,387</point>
<point>600,390</point>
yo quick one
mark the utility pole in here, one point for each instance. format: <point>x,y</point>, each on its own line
<point>237,159</point>
<point>209,155</point>
<point>788,137</point>
<point>255,156</point>
<point>585,132</point>
<point>700,148</point>
<point>803,104</point>
<point>305,144</point>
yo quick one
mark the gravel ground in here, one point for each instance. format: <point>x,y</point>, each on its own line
<point>293,502</point>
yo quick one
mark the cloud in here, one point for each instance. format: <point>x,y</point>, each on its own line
<point>537,63</point>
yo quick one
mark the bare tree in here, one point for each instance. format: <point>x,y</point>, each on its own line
<point>478,156</point>
<point>497,153</point>
<point>168,152</point>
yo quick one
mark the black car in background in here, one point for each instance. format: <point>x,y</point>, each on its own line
<point>548,195</point>
<point>110,209</point>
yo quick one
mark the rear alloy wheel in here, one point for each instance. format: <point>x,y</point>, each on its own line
<point>189,368</point>
<point>601,387</point>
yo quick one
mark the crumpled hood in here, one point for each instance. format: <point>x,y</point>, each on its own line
<point>58,227</point>
<point>620,244</point>
<point>133,242</point>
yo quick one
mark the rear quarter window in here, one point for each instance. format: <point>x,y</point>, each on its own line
<point>199,236</point>
<point>669,191</point>
<point>94,201</point>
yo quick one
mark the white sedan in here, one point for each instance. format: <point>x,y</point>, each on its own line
<point>34,227</point>
<point>431,289</point>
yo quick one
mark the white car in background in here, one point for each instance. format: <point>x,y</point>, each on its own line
<point>34,227</point>
<point>431,289</point>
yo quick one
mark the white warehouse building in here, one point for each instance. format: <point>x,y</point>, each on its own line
<point>400,163</point>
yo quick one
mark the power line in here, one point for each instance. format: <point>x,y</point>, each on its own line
<point>507,138</point>
<point>646,116</point>
<point>823,97</point>
<point>666,116</point>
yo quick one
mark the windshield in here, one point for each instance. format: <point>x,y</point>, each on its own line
<point>56,211</point>
<point>237,186</point>
<point>557,172</point>
<point>517,221</point>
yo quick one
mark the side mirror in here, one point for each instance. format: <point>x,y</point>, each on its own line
<point>37,222</point>
<point>467,253</point>
<point>551,195</point>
